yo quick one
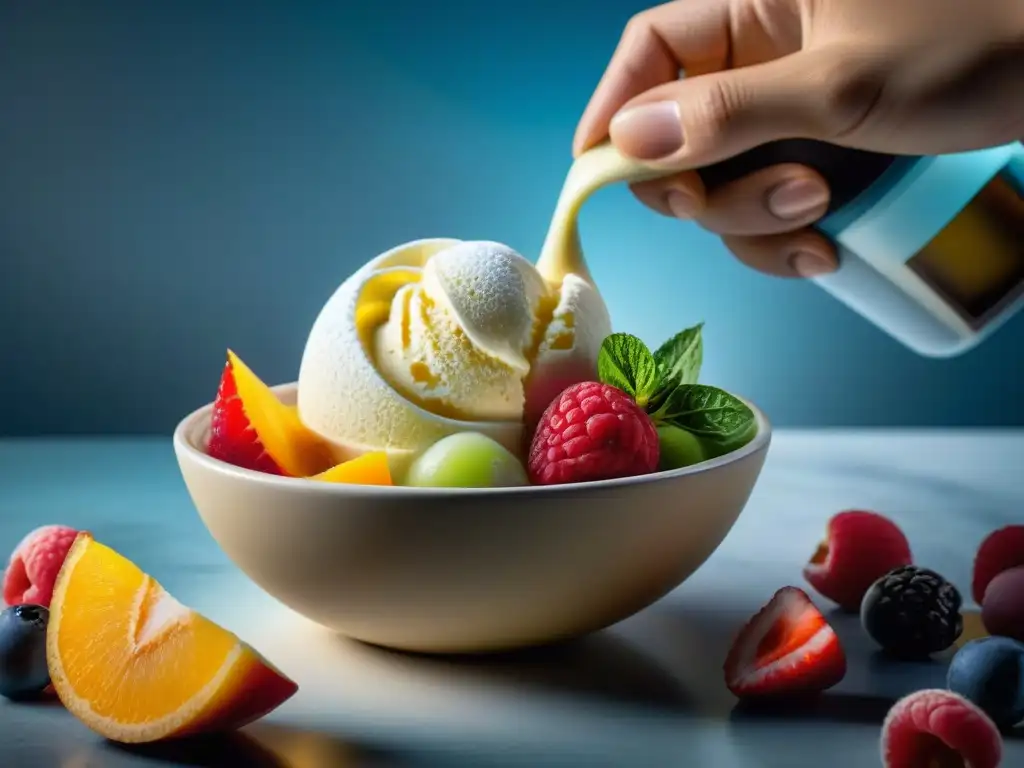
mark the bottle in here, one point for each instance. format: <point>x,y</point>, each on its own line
<point>931,249</point>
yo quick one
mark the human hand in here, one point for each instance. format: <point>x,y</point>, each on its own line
<point>916,77</point>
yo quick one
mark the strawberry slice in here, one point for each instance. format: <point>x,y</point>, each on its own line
<point>786,649</point>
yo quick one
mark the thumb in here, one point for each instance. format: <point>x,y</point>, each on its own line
<point>693,122</point>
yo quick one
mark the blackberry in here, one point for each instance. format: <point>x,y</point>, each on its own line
<point>912,612</point>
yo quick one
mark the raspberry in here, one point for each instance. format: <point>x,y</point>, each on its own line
<point>1000,551</point>
<point>592,431</point>
<point>937,727</point>
<point>859,548</point>
<point>35,563</point>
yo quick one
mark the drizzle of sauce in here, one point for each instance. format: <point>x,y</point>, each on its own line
<point>562,253</point>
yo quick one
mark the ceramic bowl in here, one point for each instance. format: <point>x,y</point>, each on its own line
<point>467,570</point>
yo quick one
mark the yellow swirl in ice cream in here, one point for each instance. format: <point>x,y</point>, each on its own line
<point>461,340</point>
<point>442,336</point>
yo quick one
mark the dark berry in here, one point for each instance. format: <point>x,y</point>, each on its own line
<point>912,612</point>
<point>1002,612</point>
<point>23,669</point>
<point>990,673</point>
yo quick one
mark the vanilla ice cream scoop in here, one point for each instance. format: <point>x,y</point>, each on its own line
<point>442,336</point>
<point>460,342</point>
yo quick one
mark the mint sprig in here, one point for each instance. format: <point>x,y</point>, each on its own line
<point>679,359</point>
<point>626,363</point>
<point>664,384</point>
<point>721,421</point>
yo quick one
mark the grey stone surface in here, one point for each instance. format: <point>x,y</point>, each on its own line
<point>647,692</point>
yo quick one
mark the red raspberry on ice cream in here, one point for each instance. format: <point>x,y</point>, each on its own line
<point>35,563</point>
<point>592,431</point>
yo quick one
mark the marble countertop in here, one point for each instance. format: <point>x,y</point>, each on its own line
<point>647,692</point>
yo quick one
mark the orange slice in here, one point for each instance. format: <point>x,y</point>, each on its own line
<point>135,665</point>
<point>251,428</point>
<point>368,469</point>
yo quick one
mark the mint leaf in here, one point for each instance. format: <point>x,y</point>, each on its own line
<point>721,421</point>
<point>679,359</point>
<point>625,362</point>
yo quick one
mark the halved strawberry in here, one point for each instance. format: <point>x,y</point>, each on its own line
<point>786,649</point>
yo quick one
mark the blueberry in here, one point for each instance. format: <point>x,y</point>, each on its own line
<point>23,669</point>
<point>990,673</point>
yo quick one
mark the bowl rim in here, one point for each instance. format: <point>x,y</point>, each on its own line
<point>187,427</point>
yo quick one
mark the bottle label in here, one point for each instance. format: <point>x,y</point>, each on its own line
<point>976,263</point>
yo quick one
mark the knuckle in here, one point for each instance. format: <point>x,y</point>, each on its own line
<point>714,110</point>
<point>850,89</point>
<point>634,36</point>
<point>637,28</point>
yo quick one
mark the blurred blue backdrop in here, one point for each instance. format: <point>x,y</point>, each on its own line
<point>179,177</point>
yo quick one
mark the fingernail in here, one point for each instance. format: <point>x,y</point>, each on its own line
<point>797,198</point>
<point>648,132</point>
<point>810,264</point>
<point>682,205</point>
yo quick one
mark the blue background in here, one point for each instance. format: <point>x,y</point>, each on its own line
<point>179,177</point>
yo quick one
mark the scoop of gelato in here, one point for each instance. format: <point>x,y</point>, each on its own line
<point>442,336</point>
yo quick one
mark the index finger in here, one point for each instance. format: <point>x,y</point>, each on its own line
<point>690,35</point>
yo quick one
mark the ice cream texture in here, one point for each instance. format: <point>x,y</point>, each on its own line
<point>441,336</point>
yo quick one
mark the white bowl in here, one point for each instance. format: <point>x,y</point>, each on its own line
<point>467,570</point>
